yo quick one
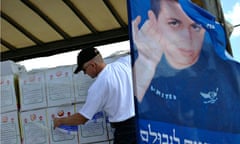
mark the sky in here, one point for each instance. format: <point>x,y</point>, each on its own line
<point>231,9</point>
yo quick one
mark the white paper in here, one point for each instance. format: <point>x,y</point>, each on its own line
<point>10,133</point>
<point>82,83</point>
<point>60,86</point>
<point>34,127</point>
<point>57,137</point>
<point>32,91</point>
<point>8,94</point>
<point>94,130</point>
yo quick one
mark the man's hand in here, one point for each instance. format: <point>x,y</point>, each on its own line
<point>74,119</point>
<point>56,122</point>
<point>147,40</point>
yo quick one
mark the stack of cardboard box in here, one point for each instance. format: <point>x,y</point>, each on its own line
<point>10,131</point>
<point>30,100</point>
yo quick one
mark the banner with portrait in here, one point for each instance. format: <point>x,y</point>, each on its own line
<point>186,86</point>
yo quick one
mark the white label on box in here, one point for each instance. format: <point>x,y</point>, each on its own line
<point>8,94</point>
<point>81,85</point>
<point>10,133</point>
<point>32,91</point>
<point>60,86</point>
<point>94,130</point>
<point>34,127</point>
<point>57,137</point>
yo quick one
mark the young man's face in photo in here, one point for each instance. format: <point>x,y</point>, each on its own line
<point>182,37</point>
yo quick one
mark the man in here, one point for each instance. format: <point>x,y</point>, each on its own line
<point>172,34</point>
<point>112,92</point>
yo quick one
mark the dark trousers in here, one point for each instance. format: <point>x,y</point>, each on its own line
<point>125,132</point>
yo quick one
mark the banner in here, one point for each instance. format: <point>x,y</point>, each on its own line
<point>186,86</point>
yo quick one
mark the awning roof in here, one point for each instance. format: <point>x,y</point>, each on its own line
<point>34,28</point>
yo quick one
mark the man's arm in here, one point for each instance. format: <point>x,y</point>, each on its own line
<point>147,40</point>
<point>75,119</point>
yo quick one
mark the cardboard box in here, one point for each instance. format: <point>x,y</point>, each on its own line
<point>57,137</point>
<point>94,130</point>
<point>8,93</point>
<point>115,56</point>
<point>110,130</point>
<point>32,88</point>
<point>10,133</point>
<point>82,83</point>
<point>59,86</point>
<point>34,127</point>
<point>11,68</point>
<point>104,142</point>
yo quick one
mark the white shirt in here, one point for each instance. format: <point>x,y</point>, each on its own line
<point>112,92</point>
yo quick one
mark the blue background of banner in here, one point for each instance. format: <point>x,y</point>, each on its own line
<point>172,103</point>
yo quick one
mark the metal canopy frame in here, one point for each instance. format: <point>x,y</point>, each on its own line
<point>39,48</point>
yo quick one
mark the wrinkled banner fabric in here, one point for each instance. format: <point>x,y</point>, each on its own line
<point>197,104</point>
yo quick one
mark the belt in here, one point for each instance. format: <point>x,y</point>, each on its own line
<point>123,123</point>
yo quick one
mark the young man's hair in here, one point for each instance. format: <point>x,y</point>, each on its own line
<point>155,6</point>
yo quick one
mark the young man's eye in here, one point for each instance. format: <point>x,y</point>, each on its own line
<point>174,23</point>
<point>196,27</point>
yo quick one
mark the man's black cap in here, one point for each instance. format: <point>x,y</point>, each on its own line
<point>84,56</point>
